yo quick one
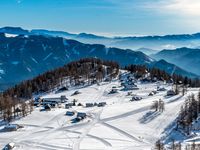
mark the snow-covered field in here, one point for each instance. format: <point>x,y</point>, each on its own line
<point>120,125</point>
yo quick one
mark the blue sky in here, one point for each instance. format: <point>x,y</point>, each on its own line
<point>104,17</point>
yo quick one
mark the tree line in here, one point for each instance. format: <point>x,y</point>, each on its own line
<point>141,70</point>
<point>158,105</point>
<point>11,108</point>
<point>87,69</point>
<point>159,145</point>
<point>189,113</point>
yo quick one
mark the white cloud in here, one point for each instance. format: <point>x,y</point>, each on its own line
<point>174,16</point>
<point>178,7</point>
<point>188,7</point>
<point>168,46</point>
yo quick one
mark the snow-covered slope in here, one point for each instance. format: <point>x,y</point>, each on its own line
<point>120,125</point>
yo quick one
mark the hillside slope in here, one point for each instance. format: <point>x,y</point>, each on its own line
<point>182,57</point>
<point>121,124</point>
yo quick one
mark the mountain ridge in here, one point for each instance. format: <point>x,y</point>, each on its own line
<point>182,57</point>
<point>156,42</point>
<point>26,56</point>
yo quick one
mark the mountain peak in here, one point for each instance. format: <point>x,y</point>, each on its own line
<point>14,30</point>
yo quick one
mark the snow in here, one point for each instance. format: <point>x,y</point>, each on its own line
<point>10,35</point>
<point>65,43</point>
<point>47,56</point>
<point>29,69</point>
<point>44,47</point>
<point>34,60</point>
<point>75,51</point>
<point>120,125</point>
<point>92,50</point>
<point>1,71</point>
<point>107,50</point>
<point>15,62</point>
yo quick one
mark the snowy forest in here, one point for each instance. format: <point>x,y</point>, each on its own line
<point>83,72</point>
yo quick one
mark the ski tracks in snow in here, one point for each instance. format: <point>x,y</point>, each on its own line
<point>87,129</point>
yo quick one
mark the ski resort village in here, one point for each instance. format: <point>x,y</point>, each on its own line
<point>99,75</point>
<point>103,108</point>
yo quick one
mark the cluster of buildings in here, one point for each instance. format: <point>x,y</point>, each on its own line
<point>100,104</point>
<point>12,127</point>
<point>129,83</point>
<point>79,116</point>
<point>136,98</point>
<point>50,102</point>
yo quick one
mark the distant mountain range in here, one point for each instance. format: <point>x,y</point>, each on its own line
<point>25,56</point>
<point>183,57</point>
<point>132,42</point>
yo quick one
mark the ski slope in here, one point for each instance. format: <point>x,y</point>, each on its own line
<point>120,125</point>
